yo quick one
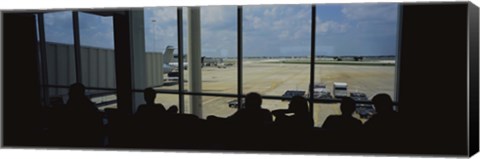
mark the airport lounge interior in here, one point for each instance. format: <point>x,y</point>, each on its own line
<point>125,96</point>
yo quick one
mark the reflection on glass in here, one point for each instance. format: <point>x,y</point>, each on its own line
<point>276,48</point>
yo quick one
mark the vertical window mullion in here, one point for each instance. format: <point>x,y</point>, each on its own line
<point>312,60</point>
<point>76,45</point>
<point>43,56</point>
<point>239,56</point>
<point>181,92</point>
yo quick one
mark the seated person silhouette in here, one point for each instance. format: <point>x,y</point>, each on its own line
<point>84,118</point>
<point>253,114</point>
<point>149,95</point>
<point>385,117</point>
<point>344,121</point>
<point>151,120</point>
<point>151,111</point>
<point>300,117</point>
<point>78,100</point>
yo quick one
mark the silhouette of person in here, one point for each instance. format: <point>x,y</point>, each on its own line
<point>85,121</point>
<point>301,118</point>
<point>344,121</point>
<point>151,119</point>
<point>152,109</point>
<point>384,125</point>
<point>253,114</point>
<point>149,107</point>
<point>385,117</point>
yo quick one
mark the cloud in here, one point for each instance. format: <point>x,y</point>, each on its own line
<point>59,27</point>
<point>96,31</point>
<point>221,43</point>
<point>219,31</point>
<point>268,30</point>
<point>358,29</point>
<point>51,19</point>
<point>331,27</point>
<point>370,12</point>
<point>161,14</point>
<point>161,32</point>
<point>271,30</point>
<point>219,17</point>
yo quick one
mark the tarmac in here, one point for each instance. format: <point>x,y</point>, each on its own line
<point>274,79</point>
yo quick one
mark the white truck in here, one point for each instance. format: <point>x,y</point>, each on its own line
<point>340,89</point>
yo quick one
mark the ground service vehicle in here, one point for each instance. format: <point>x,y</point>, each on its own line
<point>340,89</point>
<point>234,103</point>
<point>320,91</point>
<point>292,93</point>
<point>364,110</point>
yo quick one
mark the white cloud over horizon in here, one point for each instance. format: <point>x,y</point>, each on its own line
<point>268,30</point>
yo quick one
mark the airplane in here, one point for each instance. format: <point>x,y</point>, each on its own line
<point>168,64</point>
<point>354,58</point>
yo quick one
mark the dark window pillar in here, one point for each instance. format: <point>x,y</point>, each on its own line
<point>20,87</point>
<point>123,61</point>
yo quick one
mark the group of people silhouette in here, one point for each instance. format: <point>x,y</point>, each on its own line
<point>80,123</point>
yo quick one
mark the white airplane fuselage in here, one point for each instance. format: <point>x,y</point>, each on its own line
<point>175,64</point>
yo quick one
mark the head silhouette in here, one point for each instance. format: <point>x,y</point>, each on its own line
<point>149,95</point>
<point>298,105</point>
<point>76,91</point>
<point>383,103</point>
<point>253,101</point>
<point>173,109</point>
<point>347,106</point>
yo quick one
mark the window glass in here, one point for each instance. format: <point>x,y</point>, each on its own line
<point>276,49</point>
<point>60,56</point>
<point>356,47</point>
<point>161,48</point>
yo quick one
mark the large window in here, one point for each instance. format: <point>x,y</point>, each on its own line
<point>275,36</point>
<point>276,51</point>
<point>92,64</point>
<point>356,44</point>
<point>219,49</point>
<point>59,53</point>
<point>161,48</point>
<point>219,53</point>
<point>97,50</point>
<point>98,58</point>
<point>156,65</point>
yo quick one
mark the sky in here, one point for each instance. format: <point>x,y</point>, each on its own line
<point>268,30</point>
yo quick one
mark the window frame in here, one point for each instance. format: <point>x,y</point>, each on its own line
<point>181,91</point>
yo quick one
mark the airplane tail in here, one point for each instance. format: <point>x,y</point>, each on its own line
<point>168,54</point>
